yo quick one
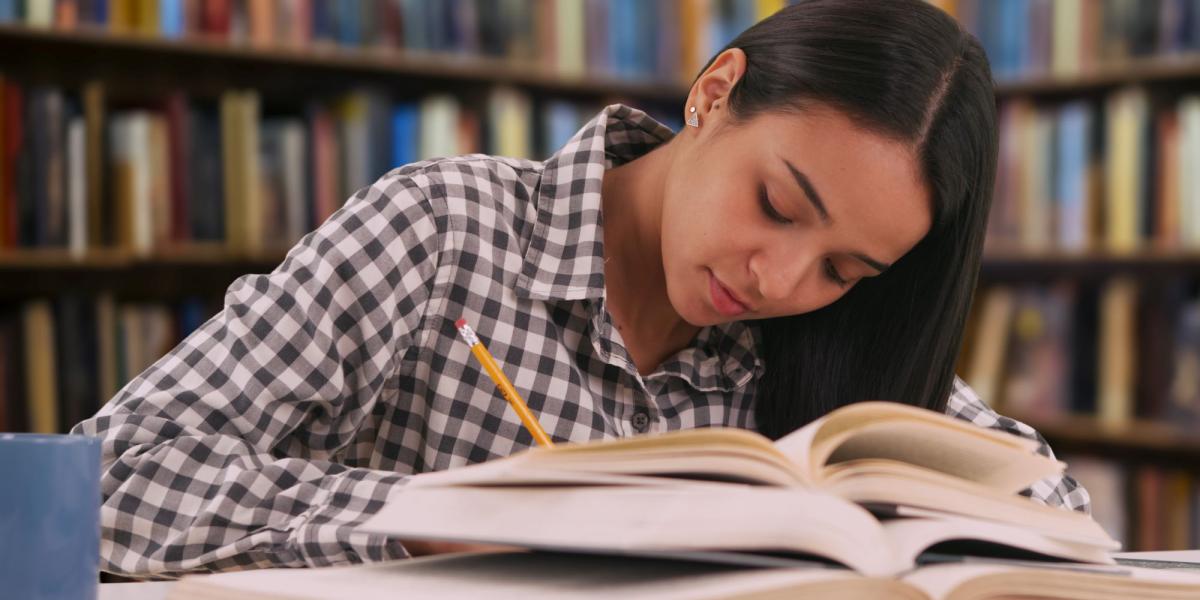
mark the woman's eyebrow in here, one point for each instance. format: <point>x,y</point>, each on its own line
<point>810,192</point>
<point>870,262</point>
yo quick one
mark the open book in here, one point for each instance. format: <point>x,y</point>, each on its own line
<point>735,524</point>
<point>733,490</point>
<point>534,576</point>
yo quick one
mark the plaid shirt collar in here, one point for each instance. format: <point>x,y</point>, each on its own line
<point>565,256</point>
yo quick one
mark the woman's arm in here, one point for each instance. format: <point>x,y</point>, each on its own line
<point>1056,491</point>
<point>225,453</point>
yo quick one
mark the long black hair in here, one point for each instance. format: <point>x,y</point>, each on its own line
<point>907,71</point>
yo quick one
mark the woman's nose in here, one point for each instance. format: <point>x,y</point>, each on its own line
<point>780,274</point>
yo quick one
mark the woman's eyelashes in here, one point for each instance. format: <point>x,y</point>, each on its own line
<point>831,273</point>
<point>764,199</point>
<point>769,209</point>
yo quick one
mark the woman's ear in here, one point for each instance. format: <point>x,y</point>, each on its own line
<point>710,93</point>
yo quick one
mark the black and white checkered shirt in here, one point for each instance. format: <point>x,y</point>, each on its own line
<point>285,420</point>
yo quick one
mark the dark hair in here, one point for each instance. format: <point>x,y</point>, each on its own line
<point>905,70</point>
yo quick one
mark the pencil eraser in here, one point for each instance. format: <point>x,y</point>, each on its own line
<point>459,323</point>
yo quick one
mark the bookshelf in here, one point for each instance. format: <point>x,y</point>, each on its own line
<point>1134,440</point>
<point>1153,70</point>
<point>128,264</point>
<point>91,53</point>
<point>137,68</point>
<point>1086,309</point>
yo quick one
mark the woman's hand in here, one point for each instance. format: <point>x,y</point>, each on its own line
<point>426,548</point>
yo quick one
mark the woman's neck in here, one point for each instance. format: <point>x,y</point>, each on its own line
<point>635,283</point>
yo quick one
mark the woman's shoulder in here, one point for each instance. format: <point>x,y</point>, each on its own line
<point>480,202</point>
<point>471,184</point>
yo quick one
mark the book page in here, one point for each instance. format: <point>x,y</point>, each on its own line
<point>888,430</point>
<point>720,454</point>
<point>937,492</point>
<point>995,579</point>
<point>1001,468</point>
<point>911,537</point>
<point>525,576</point>
<point>680,517</point>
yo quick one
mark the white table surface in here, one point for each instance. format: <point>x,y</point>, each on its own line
<point>1174,555</point>
<point>158,590</point>
<point>149,590</point>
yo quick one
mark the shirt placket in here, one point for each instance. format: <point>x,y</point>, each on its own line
<point>634,399</point>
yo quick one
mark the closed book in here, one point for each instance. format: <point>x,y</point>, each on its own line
<point>5,173</point>
<point>569,38</point>
<point>1105,481</point>
<point>439,114</point>
<point>108,378</point>
<point>205,194</point>
<point>1189,180</point>
<point>77,187</point>
<point>509,121</point>
<point>354,133</point>
<point>326,165</point>
<point>13,130</point>
<point>1127,114</point>
<point>1118,362</point>
<point>406,134</point>
<point>262,21</point>
<point>1067,23</point>
<point>99,211</point>
<point>76,360</point>
<point>39,352</point>
<point>1167,200</point>
<point>171,18</point>
<point>178,161</point>
<point>1072,189</point>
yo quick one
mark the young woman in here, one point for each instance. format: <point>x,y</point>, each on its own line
<point>810,239</point>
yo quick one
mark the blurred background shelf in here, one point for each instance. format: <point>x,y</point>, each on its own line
<point>1125,440</point>
<point>1170,70</point>
<point>246,126</point>
<point>1034,265</point>
<point>171,272</point>
<point>213,64</point>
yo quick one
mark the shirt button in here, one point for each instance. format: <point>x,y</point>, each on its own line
<point>641,421</point>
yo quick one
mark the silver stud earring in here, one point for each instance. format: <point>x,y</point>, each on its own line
<point>693,119</point>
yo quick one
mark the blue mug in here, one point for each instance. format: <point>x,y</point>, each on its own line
<point>49,516</point>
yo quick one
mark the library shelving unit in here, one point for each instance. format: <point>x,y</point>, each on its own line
<point>1140,462</point>
<point>153,66</point>
<point>137,68</point>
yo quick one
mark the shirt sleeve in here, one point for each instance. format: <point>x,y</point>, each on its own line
<point>224,454</point>
<point>1062,490</point>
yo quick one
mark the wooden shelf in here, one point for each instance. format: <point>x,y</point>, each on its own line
<point>1134,440</point>
<point>183,60</point>
<point>201,270</point>
<point>1024,265</point>
<point>1150,70</point>
<point>198,255</point>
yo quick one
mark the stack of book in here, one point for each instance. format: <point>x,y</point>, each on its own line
<point>874,500</point>
<point>78,172</point>
<point>1119,351</point>
<point>61,359</point>
<point>1069,37</point>
<point>1098,175</point>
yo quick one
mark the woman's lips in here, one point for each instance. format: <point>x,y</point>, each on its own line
<point>723,300</point>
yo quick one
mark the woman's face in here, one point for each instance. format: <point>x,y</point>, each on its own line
<point>785,213</point>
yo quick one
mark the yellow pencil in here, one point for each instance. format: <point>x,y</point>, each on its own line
<point>502,382</point>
